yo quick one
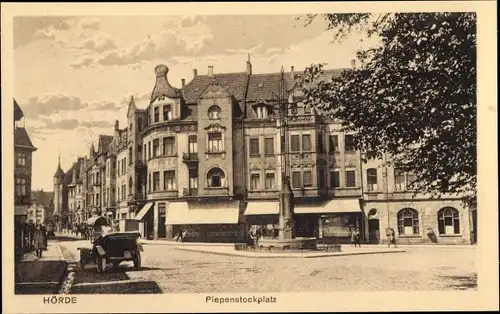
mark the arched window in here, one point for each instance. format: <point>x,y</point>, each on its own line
<point>448,221</point>
<point>408,222</point>
<point>216,178</point>
<point>371,178</point>
<point>373,214</point>
<point>214,112</point>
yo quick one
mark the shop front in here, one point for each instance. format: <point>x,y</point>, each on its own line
<point>205,222</point>
<point>145,219</point>
<point>263,215</point>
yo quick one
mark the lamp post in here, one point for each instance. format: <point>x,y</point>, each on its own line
<point>286,203</point>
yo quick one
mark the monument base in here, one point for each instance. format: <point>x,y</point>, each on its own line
<point>268,244</point>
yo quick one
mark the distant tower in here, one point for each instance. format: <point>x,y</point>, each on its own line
<point>58,178</point>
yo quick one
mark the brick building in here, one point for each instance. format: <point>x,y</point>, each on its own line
<point>207,157</point>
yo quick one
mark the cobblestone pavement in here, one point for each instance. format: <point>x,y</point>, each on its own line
<point>167,270</point>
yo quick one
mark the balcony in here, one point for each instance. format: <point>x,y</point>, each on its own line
<point>216,192</point>
<point>190,159</point>
<point>139,164</point>
<point>190,192</point>
<point>134,198</point>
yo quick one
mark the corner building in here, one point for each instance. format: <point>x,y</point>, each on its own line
<point>208,157</point>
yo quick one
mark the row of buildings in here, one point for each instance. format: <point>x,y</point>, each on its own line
<point>208,157</point>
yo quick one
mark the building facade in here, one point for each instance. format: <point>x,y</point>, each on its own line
<point>208,158</point>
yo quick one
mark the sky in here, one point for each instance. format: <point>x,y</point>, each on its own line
<point>74,76</point>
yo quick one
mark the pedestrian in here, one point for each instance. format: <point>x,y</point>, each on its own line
<point>353,237</point>
<point>274,232</point>
<point>180,235</point>
<point>251,237</point>
<point>389,232</point>
<point>357,237</point>
<point>45,236</point>
<point>258,235</point>
<point>39,241</point>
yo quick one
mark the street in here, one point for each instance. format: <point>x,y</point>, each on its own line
<point>168,270</point>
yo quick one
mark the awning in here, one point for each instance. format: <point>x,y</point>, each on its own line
<point>332,207</point>
<point>99,220</point>
<point>262,208</point>
<point>182,213</point>
<point>144,210</point>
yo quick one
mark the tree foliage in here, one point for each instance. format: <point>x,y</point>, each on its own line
<point>412,97</point>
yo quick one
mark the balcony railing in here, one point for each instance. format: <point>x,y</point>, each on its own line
<point>216,191</point>
<point>135,197</point>
<point>190,192</point>
<point>190,157</point>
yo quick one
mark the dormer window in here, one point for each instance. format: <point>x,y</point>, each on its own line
<point>167,113</point>
<point>262,112</point>
<point>214,112</point>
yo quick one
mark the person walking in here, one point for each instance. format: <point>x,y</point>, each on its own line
<point>353,237</point>
<point>180,235</point>
<point>357,237</point>
<point>391,237</point>
<point>39,241</point>
<point>258,235</point>
<point>45,236</point>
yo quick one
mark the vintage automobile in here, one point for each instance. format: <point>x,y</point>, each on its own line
<point>112,249</point>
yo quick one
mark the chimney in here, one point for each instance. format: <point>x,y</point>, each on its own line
<point>210,70</point>
<point>116,125</point>
<point>183,81</point>
<point>292,68</point>
<point>249,66</point>
<point>353,64</point>
<point>195,72</point>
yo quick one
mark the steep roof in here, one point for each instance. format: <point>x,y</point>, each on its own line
<point>162,86</point>
<point>42,197</point>
<point>18,113</point>
<point>234,83</point>
<point>68,176</point>
<point>103,144</point>
<point>21,138</point>
<point>59,171</point>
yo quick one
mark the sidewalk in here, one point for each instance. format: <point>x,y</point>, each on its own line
<point>41,275</point>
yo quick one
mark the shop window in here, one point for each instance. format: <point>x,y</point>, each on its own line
<point>156,181</point>
<point>306,143</point>
<point>448,221</point>
<point>350,178</point>
<point>333,143</point>
<point>169,180</point>
<point>255,181</point>
<point>167,113</point>
<point>307,178</point>
<point>169,146</point>
<point>216,178</point>
<point>215,142</point>
<point>349,143</point>
<point>371,178</point>
<point>254,147</point>
<point>21,159</point>
<point>335,179</point>
<point>156,117</point>
<point>214,112</point>
<point>408,223</point>
<point>296,180</point>
<point>270,181</point>
<point>295,143</point>
<point>269,146</point>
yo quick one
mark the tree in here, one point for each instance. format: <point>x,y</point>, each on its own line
<point>413,96</point>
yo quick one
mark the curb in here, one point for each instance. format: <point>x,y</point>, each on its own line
<point>298,255</point>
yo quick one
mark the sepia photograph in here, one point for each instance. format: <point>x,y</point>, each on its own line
<point>242,156</point>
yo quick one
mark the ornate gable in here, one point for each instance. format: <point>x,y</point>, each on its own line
<point>214,90</point>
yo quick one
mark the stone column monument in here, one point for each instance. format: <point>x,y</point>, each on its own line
<point>286,206</point>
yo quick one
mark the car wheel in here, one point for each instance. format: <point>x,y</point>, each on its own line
<point>101,264</point>
<point>137,260</point>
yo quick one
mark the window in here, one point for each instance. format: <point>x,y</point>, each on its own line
<point>295,143</point>
<point>130,185</point>
<point>169,146</point>
<point>333,143</point>
<point>254,147</point>
<point>169,180</point>
<point>349,143</point>
<point>306,143</point>
<point>296,179</point>
<point>410,180</point>
<point>97,199</point>
<point>214,112</point>
<point>408,222</point>
<point>448,221</point>
<point>193,144</point>
<point>293,109</point>
<point>145,152</point>
<point>167,113</point>
<point>262,112</point>
<point>320,146</point>
<point>156,115</point>
<point>149,150</point>
<point>269,146</point>
<point>216,178</point>
<point>215,142</point>
<point>21,186</point>
<point>21,159</point>
<point>307,178</point>
<point>156,147</point>
<point>156,181</point>
<point>130,155</point>
<point>270,181</point>
<point>139,124</point>
<point>139,152</point>
<point>335,179</point>
<point>371,178</point>
<point>307,109</point>
<point>193,179</point>
<point>255,181</point>
<point>399,180</point>
<point>130,129</point>
<point>350,178</point>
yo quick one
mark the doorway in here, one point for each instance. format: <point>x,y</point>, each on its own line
<point>373,227</point>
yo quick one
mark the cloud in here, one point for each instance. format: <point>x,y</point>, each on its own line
<point>27,27</point>
<point>97,124</point>
<point>51,104</point>
<point>105,106</point>
<point>66,124</point>
<point>89,23</point>
<point>98,43</point>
